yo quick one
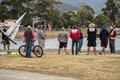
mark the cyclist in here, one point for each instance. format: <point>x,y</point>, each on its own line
<point>29,38</point>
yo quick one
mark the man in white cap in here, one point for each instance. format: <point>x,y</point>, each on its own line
<point>29,37</point>
<point>91,37</point>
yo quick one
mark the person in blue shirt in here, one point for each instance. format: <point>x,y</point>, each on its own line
<point>104,35</point>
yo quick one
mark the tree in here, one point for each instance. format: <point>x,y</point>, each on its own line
<point>101,20</point>
<point>70,18</point>
<point>111,10</point>
<point>85,14</point>
<point>44,9</point>
<point>14,8</point>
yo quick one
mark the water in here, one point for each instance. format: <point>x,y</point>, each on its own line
<point>52,43</point>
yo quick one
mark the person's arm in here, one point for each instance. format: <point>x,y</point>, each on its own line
<point>2,36</point>
<point>33,35</point>
<point>58,37</point>
<point>78,34</point>
<point>115,33</point>
<point>71,34</point>
<point>100,34</point>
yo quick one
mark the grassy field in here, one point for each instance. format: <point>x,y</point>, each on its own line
<point>82,67</point>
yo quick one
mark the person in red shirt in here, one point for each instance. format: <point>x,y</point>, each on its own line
<point>74,35</point>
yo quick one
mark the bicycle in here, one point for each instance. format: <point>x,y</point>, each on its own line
<point>37,50</point>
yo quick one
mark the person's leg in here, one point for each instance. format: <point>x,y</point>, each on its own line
<point>110,43</point>
<point>29,49</point>
<point>65,47</point>
<point>78,45</point>
<point>42,43</point>
<point>76,42</point>
<point>113,47</point>
<point>4,45</point>
<point>88,50</point>
<point>94,49</point>
<point>94,46</point>
<point>8,47</point>
<point>103,50</point>
<point>60,45</point>
<point>73,43</point>
<point>59,50</point>
<point>27,45</point>
<point>81,44</point>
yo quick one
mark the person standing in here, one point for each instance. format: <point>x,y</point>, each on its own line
<point>91,38</point>
<point>41,36</point>
<point>29,38</point>
<point>5,40</point>
<point>112,35</point>
<point>104,35</point>
<point>80,41</point>
<point>74,35</point>
<point>62,39</point>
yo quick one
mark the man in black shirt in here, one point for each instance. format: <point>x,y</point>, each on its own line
<point>5,40</point>
<point>91,37</point>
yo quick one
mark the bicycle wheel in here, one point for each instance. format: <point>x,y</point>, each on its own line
<point>22,50</point>
<point>38,51</point>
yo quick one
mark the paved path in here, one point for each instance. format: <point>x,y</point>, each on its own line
<point>23,75</point>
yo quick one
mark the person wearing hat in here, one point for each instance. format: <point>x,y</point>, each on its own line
<point>104,35</point>
<point>75,35</point>
<point>29,38</point>
<point>91,37</point>
<point>62,39</point>
<point>112,35</point>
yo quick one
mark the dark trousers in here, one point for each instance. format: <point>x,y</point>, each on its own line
<point>28,49</point>
<point>80,43</point>
<point>74,44</point>
<point>112,46</point>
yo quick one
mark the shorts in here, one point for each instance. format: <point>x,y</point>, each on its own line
<point>63,44</point>
<point>91,43</point>
<point>6,42</point>
<point>41,43</point>
<point>104,43</point>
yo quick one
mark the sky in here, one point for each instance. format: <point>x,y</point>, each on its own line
<point>97,5</point>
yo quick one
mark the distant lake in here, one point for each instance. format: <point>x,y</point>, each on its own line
<point>52,43</point>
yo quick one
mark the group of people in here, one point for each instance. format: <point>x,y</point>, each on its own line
<point>76,36</point>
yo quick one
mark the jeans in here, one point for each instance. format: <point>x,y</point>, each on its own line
<point>112,46</point>
<point>74,43</point>
<point>80,43</point>
<point>28,49</point>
